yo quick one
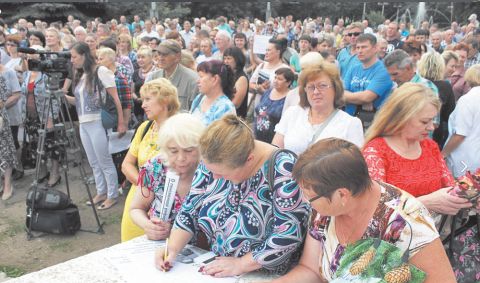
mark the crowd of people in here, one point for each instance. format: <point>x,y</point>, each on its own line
<point>285,158</point>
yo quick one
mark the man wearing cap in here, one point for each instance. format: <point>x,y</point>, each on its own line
<point>181,77</point>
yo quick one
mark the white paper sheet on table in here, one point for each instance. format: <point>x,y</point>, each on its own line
<point>135,263</point>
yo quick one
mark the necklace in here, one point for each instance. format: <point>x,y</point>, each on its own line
<point>346,240</point>
<point>153,134</point>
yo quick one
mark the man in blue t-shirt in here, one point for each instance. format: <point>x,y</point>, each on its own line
<point>347,56</point>
<point>367,84</point>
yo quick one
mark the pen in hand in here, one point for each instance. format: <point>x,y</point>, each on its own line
<point>165,255</point>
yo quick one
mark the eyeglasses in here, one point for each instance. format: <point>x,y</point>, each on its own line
<point>319,87</point>
<point>354,33</point>
<point>314,199</point>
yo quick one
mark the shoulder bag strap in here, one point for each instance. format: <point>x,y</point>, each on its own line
<point>146,129</point>
<point>323,126</point>
<point>271,165</point>
<point>195,106</point>
<point>97,88</point>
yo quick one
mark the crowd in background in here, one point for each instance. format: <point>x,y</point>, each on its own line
<point>408,98</point>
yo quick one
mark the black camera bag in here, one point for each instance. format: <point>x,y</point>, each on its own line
<point>47,198</point>
<point>60,221</point>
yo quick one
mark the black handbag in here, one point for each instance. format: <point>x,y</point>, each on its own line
<point>365,116</point>
<point>61,221</point>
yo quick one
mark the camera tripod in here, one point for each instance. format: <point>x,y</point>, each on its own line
<point>66,140</point>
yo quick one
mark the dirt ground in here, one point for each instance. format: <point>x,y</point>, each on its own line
<point>18,255</point>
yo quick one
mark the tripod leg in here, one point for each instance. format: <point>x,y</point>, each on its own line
<point>42,132</point>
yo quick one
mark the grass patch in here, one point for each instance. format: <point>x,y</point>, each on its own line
<point>12,230</point>
<point>11,271</point>
<point>112,219</point>
<point>63,246</point>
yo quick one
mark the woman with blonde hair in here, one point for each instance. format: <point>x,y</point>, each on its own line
<point>431,66</point>
<point>124,48</point>
<point>398,150</point>
<point>451,62</point>
<point>252,219</point>
<point>145,68</point>
<point>53,40</point>
<point>159,101</point>
<point>462,149</point>
<point>178,152</point>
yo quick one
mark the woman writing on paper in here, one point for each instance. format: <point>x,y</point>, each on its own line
<point>179,153</point>
<point>252,220</point>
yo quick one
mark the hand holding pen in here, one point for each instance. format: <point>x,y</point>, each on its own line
<point>164,257</point>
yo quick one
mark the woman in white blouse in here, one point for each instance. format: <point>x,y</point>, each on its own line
<point>318,115</point>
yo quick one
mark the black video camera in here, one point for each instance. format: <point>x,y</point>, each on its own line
<point>50,62</point>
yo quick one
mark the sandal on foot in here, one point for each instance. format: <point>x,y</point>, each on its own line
<point>6,196</point>
<point>55,183</point>
<point>105,205</point>
<point>42,179</point>
<point>96,202</point>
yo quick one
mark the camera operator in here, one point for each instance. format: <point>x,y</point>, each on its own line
<point>92,133</point>
<point>34,88</point>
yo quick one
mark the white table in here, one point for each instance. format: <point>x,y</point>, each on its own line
<point>127,262</point>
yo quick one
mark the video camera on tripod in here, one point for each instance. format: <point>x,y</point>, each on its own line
<point>50,62</point>
<point>49,210</point>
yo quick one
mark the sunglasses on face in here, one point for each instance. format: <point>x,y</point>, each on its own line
<point>354,33</point>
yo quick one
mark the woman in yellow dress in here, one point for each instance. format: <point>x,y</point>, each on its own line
<point>160,101</point>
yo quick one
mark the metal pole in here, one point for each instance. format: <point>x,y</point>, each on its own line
<point>383,7</point>
<point>364,9</point>
<point>451,13</point>
<point>153,7</point>
<point>268,13</point>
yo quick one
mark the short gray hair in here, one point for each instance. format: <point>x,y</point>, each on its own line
<point>183,129</point>
<point>398,58</point>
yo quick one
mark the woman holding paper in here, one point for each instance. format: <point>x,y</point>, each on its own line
<point>179,156</point>
<point>252,221</point>
<point>159,101</point>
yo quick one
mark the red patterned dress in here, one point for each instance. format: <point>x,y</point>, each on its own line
<point>418,177</point>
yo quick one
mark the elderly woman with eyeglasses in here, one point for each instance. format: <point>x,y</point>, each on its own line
<point>349,206</point>
<point>318,115</point>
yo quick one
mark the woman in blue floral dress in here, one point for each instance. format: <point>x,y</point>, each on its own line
<point>216,82</point>
<point>250,223</point>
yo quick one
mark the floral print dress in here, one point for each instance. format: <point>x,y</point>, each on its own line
<point>267,115</point>
<point>249,216</point>
<point>7,147</point>
<point>152,176</point>
<point>389,223</point>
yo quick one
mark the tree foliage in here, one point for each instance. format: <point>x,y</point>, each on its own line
<point>49,12</point>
